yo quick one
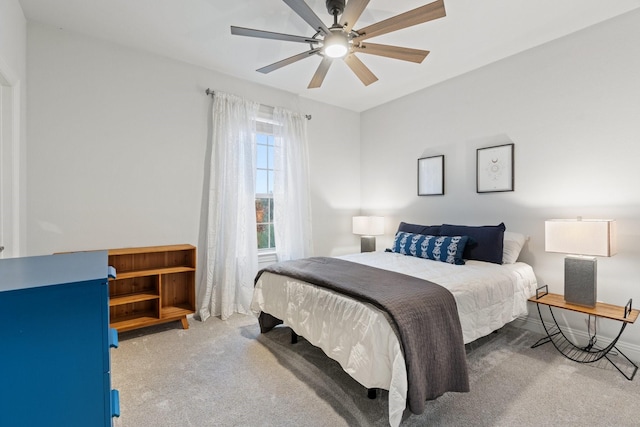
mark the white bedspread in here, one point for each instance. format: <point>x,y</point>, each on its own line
<point>359,337</point>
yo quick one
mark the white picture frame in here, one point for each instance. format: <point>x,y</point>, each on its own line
<point>494,169</point>
<point>431,176</point>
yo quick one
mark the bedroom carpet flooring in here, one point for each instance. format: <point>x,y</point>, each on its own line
<point>225,373</point>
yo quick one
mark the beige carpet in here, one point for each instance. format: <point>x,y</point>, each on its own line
<point>225,373</point>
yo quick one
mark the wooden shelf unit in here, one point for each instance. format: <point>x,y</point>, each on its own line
<point>153,284</point>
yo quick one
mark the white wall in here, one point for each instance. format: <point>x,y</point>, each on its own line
<point>335,177</point>
<point>13,36</point>
<point>572,109</point>
<point>13,52</point>
<point>117,143</point>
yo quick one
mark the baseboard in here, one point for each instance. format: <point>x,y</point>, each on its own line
<point>533,324</point>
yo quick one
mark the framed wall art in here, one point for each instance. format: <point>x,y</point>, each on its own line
<point>494,169</point>
<point>431,176</point>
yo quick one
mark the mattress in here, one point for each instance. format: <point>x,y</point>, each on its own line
<point>359,337</point>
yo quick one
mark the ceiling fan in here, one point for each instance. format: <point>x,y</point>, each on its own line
<point>342,41</point>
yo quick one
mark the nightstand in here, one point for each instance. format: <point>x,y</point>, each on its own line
<point>588,353</point>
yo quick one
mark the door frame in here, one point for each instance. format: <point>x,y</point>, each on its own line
<point>10,93</point>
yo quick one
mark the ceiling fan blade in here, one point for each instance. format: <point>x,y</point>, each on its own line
<point>306,13</point>
<point>352,12</point>
<point>321,72</point>
<point>364,74</point>
<point>291,60</point>
<point>249,32</point>
<point>413,17</point>
<point>395,52</point>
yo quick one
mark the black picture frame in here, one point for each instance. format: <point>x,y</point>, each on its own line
<point>495,169</point>
<point>431,176</point>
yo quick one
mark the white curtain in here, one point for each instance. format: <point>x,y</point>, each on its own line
<point>292,209</point>
<point>231,257</point>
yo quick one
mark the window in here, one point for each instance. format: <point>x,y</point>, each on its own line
<point>264,191</point>
<point>264,179</point>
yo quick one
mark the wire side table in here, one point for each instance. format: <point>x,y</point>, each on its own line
<point>588,353</point>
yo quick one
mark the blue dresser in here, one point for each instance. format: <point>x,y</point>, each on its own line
<point>55,341</point>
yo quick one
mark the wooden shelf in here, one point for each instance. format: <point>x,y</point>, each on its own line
<point>131,298</point>
<point>150,249</point>
<point>601,309</point>
<point>153,272</point>
<point>153,284</point>
<point>133,322</point>
<point>173,312</point>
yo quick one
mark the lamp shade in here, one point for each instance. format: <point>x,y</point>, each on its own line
<point>368,225</point>
<point>594,237</point>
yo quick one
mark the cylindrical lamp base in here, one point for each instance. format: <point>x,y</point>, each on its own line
<point>367,244</point>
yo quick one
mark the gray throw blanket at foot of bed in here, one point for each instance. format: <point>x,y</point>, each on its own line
<point>425,314</point>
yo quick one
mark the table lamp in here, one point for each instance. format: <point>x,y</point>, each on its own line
<point>583,239</point>
<point>368,227</point>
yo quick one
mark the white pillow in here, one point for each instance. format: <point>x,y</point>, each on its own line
<point>513,243</point>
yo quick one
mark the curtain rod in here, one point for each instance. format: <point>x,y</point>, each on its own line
<point>211,92</point>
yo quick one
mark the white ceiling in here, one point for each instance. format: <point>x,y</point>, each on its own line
<point>474,33</point>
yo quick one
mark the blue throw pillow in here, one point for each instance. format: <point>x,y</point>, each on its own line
<point>419,229</point>
<point>447,249</point>
<point>489,241</point>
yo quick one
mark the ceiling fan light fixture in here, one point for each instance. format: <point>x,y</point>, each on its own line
<point>336,45</point>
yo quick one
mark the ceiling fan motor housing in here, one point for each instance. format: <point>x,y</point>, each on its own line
<point>335,7</point>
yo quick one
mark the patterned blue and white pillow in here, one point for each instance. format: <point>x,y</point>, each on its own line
<point>447,249</point>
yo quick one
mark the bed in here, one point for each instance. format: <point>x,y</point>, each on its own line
<point>363,339</point>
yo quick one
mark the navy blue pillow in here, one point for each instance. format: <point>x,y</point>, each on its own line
<point>489,241</point>
<point>447,249</point>
<point>433,230</point>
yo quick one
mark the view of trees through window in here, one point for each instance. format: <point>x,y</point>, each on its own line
<point>264,191</point>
